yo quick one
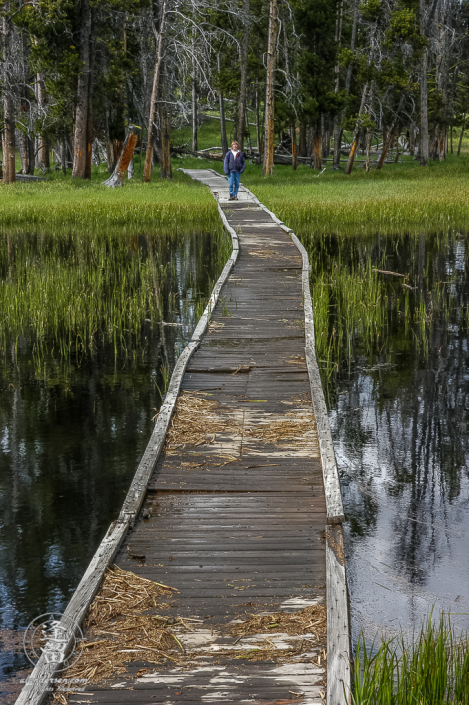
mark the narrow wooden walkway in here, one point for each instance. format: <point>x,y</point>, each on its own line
<point>237,501</point>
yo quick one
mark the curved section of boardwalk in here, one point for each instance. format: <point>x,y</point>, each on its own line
<point>237,503</point>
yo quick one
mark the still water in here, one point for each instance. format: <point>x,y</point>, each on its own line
<point>72,431</point>
<point>399,412</point>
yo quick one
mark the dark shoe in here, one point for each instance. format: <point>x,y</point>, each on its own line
<point>231,198</point>
<point>235,198</point>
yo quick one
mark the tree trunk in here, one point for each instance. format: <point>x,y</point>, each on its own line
<point>294,153</point>
<point>19,140</point>
<point>424,153</point>
<point>154,97</point>
<point>248,132</point>
<point>356,134</point>
<point>89,125</point>
<point>165,132</point>
<point>323,138</point>
<point>89,139</point>
<point>9,167</point>
<point>80,142</point>
<point>338,131</point>
<point>30,156</point>
<point>43,158</point>
<point>268,163</point>
<point>327,143</point>
<point>368,145</point>
<point>462,134</point>
<point>424,156</point>
<point>441,144</point>
<point>317,138</point>
<point>244,73</point>
<point>412,139</point>
<point>302,141</point>
<point>390,137</point>
<point>194,102</point>
<point>117,147</point>
<point>310,146</point>
<point>107,138</point>
<point>64,155</point>
<point>221,101</point>
<point>24,152</point>
<point>117,178</point>
<point>258,122</point>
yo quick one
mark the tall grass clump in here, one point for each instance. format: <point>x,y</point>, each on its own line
<point>431,670</point>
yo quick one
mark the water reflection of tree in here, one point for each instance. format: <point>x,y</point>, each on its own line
<point>417,388</point>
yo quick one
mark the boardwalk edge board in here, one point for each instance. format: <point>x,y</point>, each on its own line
<point>38,684</point>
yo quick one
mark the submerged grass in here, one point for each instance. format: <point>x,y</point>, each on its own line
<point>361,308</point>
<point>432,670</point>
<point>76,290</point>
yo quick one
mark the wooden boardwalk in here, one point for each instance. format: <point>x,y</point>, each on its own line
<point>236,510</point>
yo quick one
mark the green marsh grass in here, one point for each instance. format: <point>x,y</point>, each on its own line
<point>401,198</point>
<point>174,207</point>
<point>72,264</point>
<point>431,670</point>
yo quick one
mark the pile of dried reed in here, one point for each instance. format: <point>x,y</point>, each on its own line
<point>310,620</point>
<point>196,421</point>
<point>297,425</point>
<point>118,632</point>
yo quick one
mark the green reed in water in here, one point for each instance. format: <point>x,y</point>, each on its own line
<point>358,308</point>
<point>78,289</point>
<point>432,670</point>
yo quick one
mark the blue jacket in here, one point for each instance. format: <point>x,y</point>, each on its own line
<point>231,164</point>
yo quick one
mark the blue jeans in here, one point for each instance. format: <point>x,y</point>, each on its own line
<point>233,182</point>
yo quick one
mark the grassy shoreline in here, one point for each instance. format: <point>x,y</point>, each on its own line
<point>402,197</point>
<point>171,207</point>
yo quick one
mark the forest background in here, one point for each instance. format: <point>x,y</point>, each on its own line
<point>302,83</point>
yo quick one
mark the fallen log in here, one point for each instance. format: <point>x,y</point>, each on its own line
<point>200,155</point>
<point>29,177</point>
<point>385,271</point>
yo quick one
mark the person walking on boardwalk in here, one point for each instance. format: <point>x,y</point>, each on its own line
<point>233,166</point>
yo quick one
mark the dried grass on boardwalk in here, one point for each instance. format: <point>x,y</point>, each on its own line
<point>117,631</point>
<point>120,630</point>
<point>196,421</point>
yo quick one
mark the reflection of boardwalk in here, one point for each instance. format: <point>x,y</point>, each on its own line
<point>236,503</point>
